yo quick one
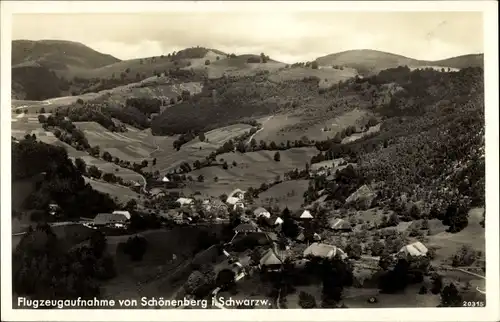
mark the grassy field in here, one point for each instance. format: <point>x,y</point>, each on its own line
<point>168,158</point>
<point>448,244</point>
<point>286,194</point>
<point>328,76</point>
<point>251,170</point>
<point>133,146</point>
<point>293,126</point>
<point>109,167</point>
<point>123,194</point>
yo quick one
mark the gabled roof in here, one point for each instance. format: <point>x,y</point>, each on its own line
<point>278,221</point>
<point>165,179</point>
<point>103,219</point>
<point>236,191</point>
<point>122,212</point>
<point>246,227</point>
<point>306,215</point>
<point>262,212</point>
<point>414,249</point>
<point>323,250</point>
<point>339,224</point>
<point>270,258</point>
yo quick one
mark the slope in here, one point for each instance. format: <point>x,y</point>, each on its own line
<point>58,55</point>
<point>368,61</point>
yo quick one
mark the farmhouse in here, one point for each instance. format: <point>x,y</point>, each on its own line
<point>270,261</point>
<point>246,228</point>
<point>261,212</point>
<point>106,219</point>
<point>339,224</point>
<point>324,251</point>
<point>235,196</point>
<point>414,249</point>
<point>165,179</point>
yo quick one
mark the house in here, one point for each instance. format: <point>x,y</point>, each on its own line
<point>324,251</point>
<point>235,196</point>
<point>106,219</point>
<point>339,224</point>
<point>122,212</point>
<point>278,221</point>
<point>185,201</point>
<point>246,228</point>
<point>215,206</point>
<point>306,215</point>
<point>165,179</point>
<point>261,212</point>
<point>270,261</point>
<point>414,249</point>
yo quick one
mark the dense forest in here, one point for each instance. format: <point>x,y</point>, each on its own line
<point>431,144</point>
<point>63,182</point>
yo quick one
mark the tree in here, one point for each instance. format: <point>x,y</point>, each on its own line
<point>81,166</point>
<point>98,243</point>
<point>225,165</point>
<point>207,62</point>
<point>314,65</point>
<point>136,247</point>
<point>414,212</point>
<point>201,137</point>
<point>94,172</point>
<point>201,178</point>
<point>306,300</point>
<point>42,110</point>
<point>377,248</point>
<point>131,204</point>
<point>455,217</point>
<point>437,284</point>
<point>225,278</point>
<point>154,161</point>
<point>289,228</point>
<point>277,156</point>
<point>354,250</point>
<point>42,119</point>
<point>450,297</point>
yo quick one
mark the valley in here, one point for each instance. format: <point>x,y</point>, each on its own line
<point>199,170</point>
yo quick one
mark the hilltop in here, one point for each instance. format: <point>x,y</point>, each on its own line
<point>72,69</point>
<point>58,55</point>
<point>367,61</point>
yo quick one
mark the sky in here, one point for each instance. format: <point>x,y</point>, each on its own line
<point>285,36</point>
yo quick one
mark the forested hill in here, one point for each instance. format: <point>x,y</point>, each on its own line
<point>63,182</point>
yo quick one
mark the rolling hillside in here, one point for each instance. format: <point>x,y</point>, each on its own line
<point>58,55</point>
<point>368,61</point>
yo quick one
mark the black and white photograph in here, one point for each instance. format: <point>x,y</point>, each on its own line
<point>248,159</point>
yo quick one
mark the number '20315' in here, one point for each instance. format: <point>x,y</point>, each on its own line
<point>473,304</point>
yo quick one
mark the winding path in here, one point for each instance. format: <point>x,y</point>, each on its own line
<point>263,123</point>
